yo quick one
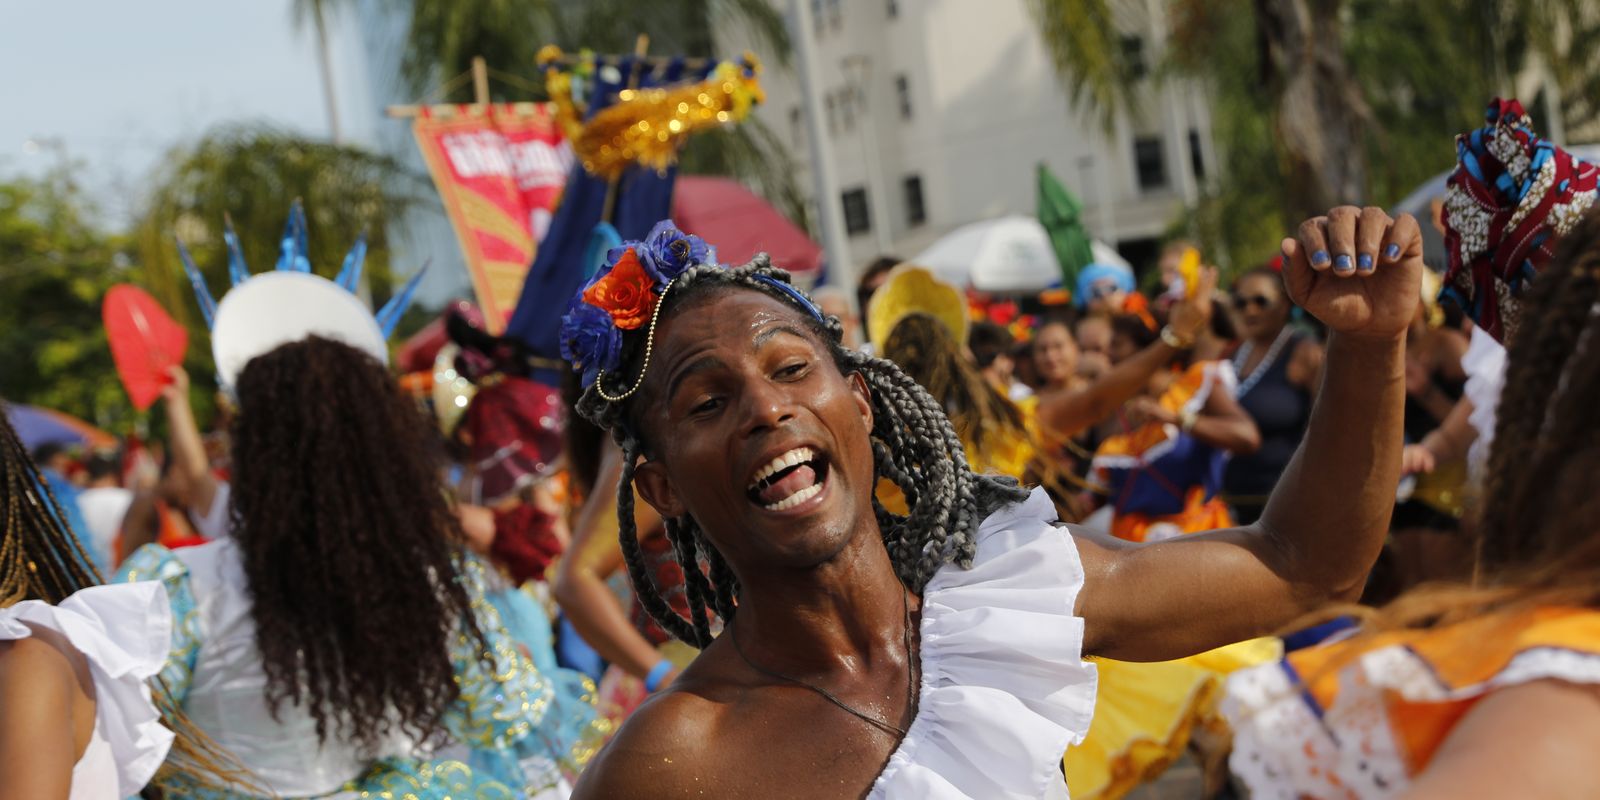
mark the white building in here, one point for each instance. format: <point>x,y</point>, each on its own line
<point>958,105</point>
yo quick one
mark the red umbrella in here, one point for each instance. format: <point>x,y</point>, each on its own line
<point>740,224</point>
<point>145,342</point>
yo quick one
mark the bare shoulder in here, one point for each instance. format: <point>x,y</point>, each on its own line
<point>1550,729</point>
<point>37,710</point>
<point>39,663</point>
<point>661,751</point>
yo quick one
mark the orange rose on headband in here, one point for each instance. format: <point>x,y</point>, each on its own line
<point>627,293</point>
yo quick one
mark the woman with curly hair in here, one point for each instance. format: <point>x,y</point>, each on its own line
<point>337,637</point>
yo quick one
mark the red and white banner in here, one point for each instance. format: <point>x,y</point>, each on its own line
<point>500,174</point>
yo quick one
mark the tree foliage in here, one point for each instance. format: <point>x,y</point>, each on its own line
<point>252,174</point>
<point>1315,102</point>
<point>444,35</point>
<point>54,268</point>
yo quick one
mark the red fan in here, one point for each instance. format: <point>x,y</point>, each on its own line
<point>145,342</point>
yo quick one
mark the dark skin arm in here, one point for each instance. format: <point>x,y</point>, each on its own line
<point>188,447</point>
<point>1448,442</point>
<point>141,525</point>
<point>1325,522</point>
<point>1221,423</point>
<point>594,555</point>
<point>1066,413</point>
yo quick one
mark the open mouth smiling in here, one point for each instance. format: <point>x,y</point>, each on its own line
<point>790,479</point>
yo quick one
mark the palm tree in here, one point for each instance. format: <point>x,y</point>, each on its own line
<point>1319,111</point>
<point>252,174</point>
<point>444,35</point>
<point>1320,102</point>
<point>316,12</point>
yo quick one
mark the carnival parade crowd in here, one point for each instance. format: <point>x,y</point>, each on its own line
<point>1323,529</point>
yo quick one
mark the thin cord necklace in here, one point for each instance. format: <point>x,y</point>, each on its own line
<point>880,724</point>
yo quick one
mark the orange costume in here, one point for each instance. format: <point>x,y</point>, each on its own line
<point>1359,718</point>
<point>1162,481</point>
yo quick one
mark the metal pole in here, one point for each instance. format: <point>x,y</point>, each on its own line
<point>830,214</point>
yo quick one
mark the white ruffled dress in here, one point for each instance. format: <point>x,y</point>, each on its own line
<point>1005,689</point>
<point>123,632</point>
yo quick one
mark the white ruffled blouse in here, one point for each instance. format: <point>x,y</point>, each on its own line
<point>123,632</point>
<point>1485,365</point>
<point>1005,689</point>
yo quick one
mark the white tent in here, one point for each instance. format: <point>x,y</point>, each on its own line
<point>1008,254</point>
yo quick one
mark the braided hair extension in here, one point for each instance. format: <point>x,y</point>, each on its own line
<point>348,544</point>
<point>1546,412</point>
<point>926,351</point>
<point>1535,541</point>
<point>914,446</point>
<point>41,559</point>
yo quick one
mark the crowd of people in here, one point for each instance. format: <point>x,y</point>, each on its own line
<point>1322,529</point>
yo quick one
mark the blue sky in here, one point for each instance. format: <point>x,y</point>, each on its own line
<point>115,85</point>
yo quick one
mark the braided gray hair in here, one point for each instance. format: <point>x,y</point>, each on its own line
<point>913,445</point>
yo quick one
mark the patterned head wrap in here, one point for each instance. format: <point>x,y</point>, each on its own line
<point>1510,197</point>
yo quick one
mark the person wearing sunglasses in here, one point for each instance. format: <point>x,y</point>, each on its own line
<point>1279,369</point>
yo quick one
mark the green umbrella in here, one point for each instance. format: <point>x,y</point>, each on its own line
<point>1061,214</point>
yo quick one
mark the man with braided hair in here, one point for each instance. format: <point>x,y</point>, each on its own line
<point>938,654</point>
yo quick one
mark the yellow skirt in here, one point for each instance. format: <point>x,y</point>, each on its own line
<point>1145,712</point>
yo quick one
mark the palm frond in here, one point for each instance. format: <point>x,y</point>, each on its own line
<point>1085,47</point>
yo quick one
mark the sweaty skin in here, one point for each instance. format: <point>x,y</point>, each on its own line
<point>738,378</point>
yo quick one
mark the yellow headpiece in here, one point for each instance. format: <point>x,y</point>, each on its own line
<point>911,289</point>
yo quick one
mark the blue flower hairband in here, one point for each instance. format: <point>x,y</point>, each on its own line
<point>627,292</point>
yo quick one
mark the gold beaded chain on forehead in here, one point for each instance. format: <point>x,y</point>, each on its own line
<point>649,346</point>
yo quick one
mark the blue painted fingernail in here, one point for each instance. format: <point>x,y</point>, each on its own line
<point>1391,252</point>
<point>1320,257</point>
<point>1341,263</point>
<point>1364,261</point>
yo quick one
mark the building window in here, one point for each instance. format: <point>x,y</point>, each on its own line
<point>894,9</point>
<point>1197,159</point>
<point>797,126</point>
<point>916,213</point>
<point>902,90</point>
<point>857,219</point>
<point>1150,162</point>
<point>835,15</point>
<point>833,115</point>
<point>847,109</point>
<point>817,19</point>
<point>1133,56</point>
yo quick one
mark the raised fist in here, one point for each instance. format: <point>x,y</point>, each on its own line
<point>1357,270</point>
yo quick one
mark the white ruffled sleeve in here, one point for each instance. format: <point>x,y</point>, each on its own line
<point>1485,365</point>
<point>123,632</point>
<point>1005,689</point>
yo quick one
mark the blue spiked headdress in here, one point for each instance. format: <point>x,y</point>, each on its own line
<point>261,312</point>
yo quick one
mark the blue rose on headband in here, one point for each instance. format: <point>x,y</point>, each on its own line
<point>590,340</point>
<point>668,252</point>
